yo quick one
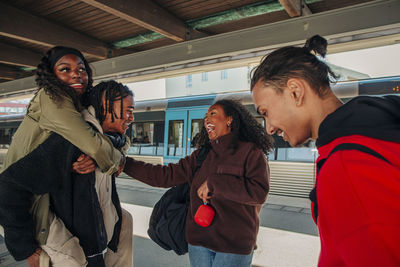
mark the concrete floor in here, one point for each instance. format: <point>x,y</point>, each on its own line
<point>292,215</point>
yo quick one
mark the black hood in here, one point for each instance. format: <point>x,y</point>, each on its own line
<point>376,117</point>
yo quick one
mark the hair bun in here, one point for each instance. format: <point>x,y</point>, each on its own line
<point>317,45</point>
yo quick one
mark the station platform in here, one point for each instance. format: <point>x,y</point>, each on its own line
<point>287,236</point>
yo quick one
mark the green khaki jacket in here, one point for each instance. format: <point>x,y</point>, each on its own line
<point>43,117</point>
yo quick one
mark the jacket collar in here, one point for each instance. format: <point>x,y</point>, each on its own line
<point>222,143</point>
<point>89,116</point>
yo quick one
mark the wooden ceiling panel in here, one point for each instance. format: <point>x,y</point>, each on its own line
<point>146,14</point>
<point>26,45</point>
<point>248,22</point>
<point>60,8</point>
<point>93,17</point>
<point>193,9</point>
<point>153,44</point>
<point>77,12</point>
<point>107,27</point>
<point>120,31</point>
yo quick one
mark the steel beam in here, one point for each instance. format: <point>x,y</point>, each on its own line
<point>17,56</point>
<point>20,25</point>
<point>145,14</point>
<point>295,8</point>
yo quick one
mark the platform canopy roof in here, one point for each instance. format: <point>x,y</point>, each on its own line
<point>127,38</point>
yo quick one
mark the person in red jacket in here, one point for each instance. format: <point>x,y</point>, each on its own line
<point>356,200</point>
<point>233,179</point>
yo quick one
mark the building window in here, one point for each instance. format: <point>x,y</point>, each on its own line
<point>224,74</point>
<point>204,76</point>
<point>189,81</point>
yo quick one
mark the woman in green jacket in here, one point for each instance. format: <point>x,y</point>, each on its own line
<point>62,76</point>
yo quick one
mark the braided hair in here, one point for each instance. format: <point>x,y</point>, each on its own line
<point>244,127</point>
<point>46,79</point>
<point>297,62</point>
<point>112,91</point>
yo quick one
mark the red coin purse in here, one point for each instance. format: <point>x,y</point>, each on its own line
<point>204,215</point>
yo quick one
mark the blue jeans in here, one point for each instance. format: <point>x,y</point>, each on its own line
<point>204,257</point>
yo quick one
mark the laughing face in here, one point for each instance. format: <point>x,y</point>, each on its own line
<point>120,123</point>
<point>282,115</point>
<point>70,69</point>
<point>216,122</point>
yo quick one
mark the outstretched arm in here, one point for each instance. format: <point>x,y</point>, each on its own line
<point>159,175</point>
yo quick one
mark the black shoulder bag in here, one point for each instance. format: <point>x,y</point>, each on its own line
<point>168,219</point>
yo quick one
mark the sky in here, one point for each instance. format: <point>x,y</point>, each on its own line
<point>376,62</point>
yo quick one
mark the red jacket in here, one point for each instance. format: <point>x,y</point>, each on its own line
<point>239,182</point>
<point>358,193</point>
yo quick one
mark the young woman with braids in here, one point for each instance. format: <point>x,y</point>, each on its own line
<point>234,179</point>
<point>62,76</point>
<point>356,199</point>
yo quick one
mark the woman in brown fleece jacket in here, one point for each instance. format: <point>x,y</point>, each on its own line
<point>233,179</point>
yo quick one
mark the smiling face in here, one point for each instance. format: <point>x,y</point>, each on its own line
<point>282,114</point>
<point>120,124</point>
<point>216,122</point>
<point>70,69</point>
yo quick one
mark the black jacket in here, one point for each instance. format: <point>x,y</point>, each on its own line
<point>73,198</point>
<point>377,117</point>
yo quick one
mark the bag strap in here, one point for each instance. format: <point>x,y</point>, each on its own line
<point>343,146</point>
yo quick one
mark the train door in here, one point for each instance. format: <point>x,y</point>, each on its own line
<point>181,126</point>
<point>195,120</point>
<point>175,135</point>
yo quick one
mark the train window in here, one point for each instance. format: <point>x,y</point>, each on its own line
<point>224,74</point>
<point>6,136</point>
<point>284,152</point>
<point>175,138</point>
<point>147,138</point>
<point>261,121</point>
<point>189,81</point>
<point>204,76</point>
<point>196,127</point>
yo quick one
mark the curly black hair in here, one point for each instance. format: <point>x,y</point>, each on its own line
<point>56,89</point>
<point>244,127</point>
<point>112,91</point>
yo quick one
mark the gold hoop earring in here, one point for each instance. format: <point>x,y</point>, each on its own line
<point>229,124</point>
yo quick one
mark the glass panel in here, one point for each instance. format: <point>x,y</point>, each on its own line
<point>196,127</point>
<point>284,152</point>
<point>6,136</point>
<point>224,74</point>
<point>189,81</point>
<point>204,77</point>
<point>175,138</point>
<point>261,121</point>
<point>147,137</point>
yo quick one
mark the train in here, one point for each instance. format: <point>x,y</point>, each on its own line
<point>163,132</point>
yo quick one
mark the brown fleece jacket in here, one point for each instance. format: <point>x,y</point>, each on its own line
<point>239,182</point>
